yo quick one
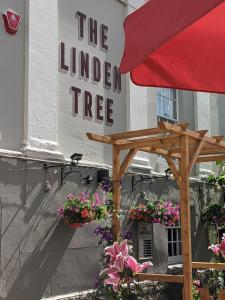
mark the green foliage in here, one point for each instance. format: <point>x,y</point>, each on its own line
<point>214,214</point>
<point>195,293</point>
<point>218,180</point>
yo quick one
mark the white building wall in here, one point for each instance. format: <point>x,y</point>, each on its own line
<point>12,60</point>
<point>36,105</point>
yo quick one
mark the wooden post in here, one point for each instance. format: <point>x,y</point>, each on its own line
<point>116,193</point>
<point>204,294</point>
<point>185,218</point>
<point>222,294</point>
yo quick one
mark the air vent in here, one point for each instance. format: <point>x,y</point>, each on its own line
<point>147,248</point>
<point>145,240</point>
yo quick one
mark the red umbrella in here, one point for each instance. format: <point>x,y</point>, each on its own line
<point>178,44</point>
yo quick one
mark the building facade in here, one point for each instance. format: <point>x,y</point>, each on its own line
<point>59,78</point>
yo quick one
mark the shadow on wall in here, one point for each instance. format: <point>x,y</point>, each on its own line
<point>199,241</point>
<point>37,271</point>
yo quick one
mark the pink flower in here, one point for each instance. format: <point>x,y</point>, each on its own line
<point>135,266</point>
<point>116,249</point>
<point>114,280</point>
<point>116,267</point>
<point>70,197</point>
<point>120,260</point>
<point>84,213</point>
<point>215,249</point>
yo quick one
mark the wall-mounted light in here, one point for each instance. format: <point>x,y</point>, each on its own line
<point>75,158</point>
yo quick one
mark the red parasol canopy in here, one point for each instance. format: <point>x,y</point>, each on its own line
<point>178,44</point>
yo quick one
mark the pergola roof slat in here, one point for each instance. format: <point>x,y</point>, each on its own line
<point>209,158</point>
<point>193,134</point>
<point>142,132</point>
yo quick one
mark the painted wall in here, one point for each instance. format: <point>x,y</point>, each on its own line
<point>40,256</point>
<point>12,72</point>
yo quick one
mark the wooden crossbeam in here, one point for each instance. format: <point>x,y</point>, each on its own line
<point>161,277</point>
<point>151,142</point>
<point>159,151</point>
<point>173,169</point>
<point>209,158</point>
<point>142,132</point>
<point>125,164</point>
<point>196,151</point>
<point>209,149</point>
<point>196,135</point>
<point>208,265</point>
<point>100,138</point>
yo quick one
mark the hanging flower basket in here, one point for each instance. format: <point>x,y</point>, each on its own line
<point>214,214</point>
<point>166,213</point>
<point>83,209</point>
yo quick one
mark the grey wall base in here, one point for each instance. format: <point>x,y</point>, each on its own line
<point>41,257</point>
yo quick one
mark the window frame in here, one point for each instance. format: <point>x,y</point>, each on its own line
<point>161,116</point>
<point>175,259</point>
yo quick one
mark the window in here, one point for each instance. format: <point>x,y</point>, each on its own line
<point>145,240</point>
<point>166,104</point>
<point>174,244</point>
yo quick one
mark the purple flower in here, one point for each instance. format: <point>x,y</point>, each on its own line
<point>106,185</point>
<point>60,212</point>
<point>84,197</point>
<point>105,233</point>
<point>127,235</point>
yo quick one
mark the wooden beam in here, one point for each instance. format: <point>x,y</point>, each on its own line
<point>116,182</point>
<point>125,164</point>
<point>196,135</point>
<point>208,265</point>
<point>173,169</point>
<point>210,158</point>
<point>162,152</point>
<point>205,148</point>
<point>210,151</point>
<point>204,294</point>
<point>196,151</point>
<point>185,217</point>
<point>151,142</point>
<point>142,132</point>
<point>222,294</point>
<point>100,138</point>
<point>161,277</point>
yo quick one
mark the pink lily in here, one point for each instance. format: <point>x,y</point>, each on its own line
<point>117,266</point>
<point>116,249</point>
<point>215,249</point>
<point>114,280</point>
<point>135,266</point>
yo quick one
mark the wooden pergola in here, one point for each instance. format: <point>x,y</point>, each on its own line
<point>182,149</point>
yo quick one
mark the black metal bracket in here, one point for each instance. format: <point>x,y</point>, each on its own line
<point>67,169</point>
